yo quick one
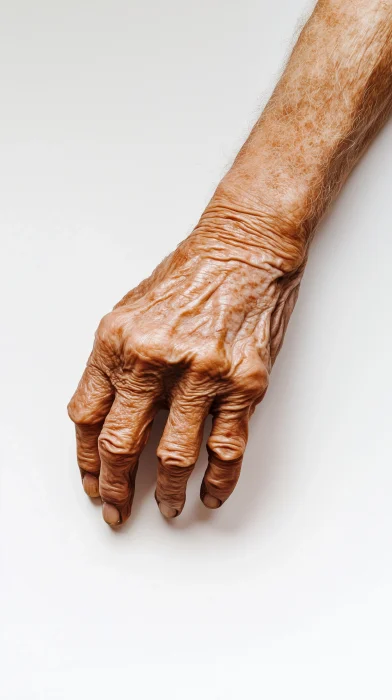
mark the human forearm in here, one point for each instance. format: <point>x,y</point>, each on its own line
<point>334,95</point>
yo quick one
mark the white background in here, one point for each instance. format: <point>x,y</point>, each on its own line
<point>118,119</point>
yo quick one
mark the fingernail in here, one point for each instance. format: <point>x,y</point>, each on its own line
<point>211,501</point>
<point>167,511</point>
<point>91,485</point>
<point>110,514</point>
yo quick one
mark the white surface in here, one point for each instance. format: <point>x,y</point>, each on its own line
<point>117,121</point>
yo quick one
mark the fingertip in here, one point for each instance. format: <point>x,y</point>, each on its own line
<point>110,514</point>
<point>167,511</point>
<point>91,485</point>
<point>210,501</point>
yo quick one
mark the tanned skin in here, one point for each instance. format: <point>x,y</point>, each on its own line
<point>202,333</point>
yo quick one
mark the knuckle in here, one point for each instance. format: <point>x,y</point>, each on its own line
<point>117,493</point>
<point>251,379</point>
<point>228,450</point>
<point>172,457</point>
<point>113,448</point>
<point>111,328</point>
<point>80,413</point>
<point>211,361</point>
<point>151,348</point>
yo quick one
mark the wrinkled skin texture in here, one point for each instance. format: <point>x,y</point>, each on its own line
<point>199,336</point>
<point>202,333</point>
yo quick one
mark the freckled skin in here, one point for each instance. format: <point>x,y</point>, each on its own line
<point>201,334</point>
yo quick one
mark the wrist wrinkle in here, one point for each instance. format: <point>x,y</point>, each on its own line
<point>239,223</point>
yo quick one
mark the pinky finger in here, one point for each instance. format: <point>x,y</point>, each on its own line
<point>226,447</point>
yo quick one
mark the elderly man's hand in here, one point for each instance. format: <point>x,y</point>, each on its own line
<point>199,336</point>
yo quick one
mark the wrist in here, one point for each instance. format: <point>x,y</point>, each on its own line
<point>241,221</point>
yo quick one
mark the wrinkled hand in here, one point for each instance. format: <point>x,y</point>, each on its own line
<point>199,336</point>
